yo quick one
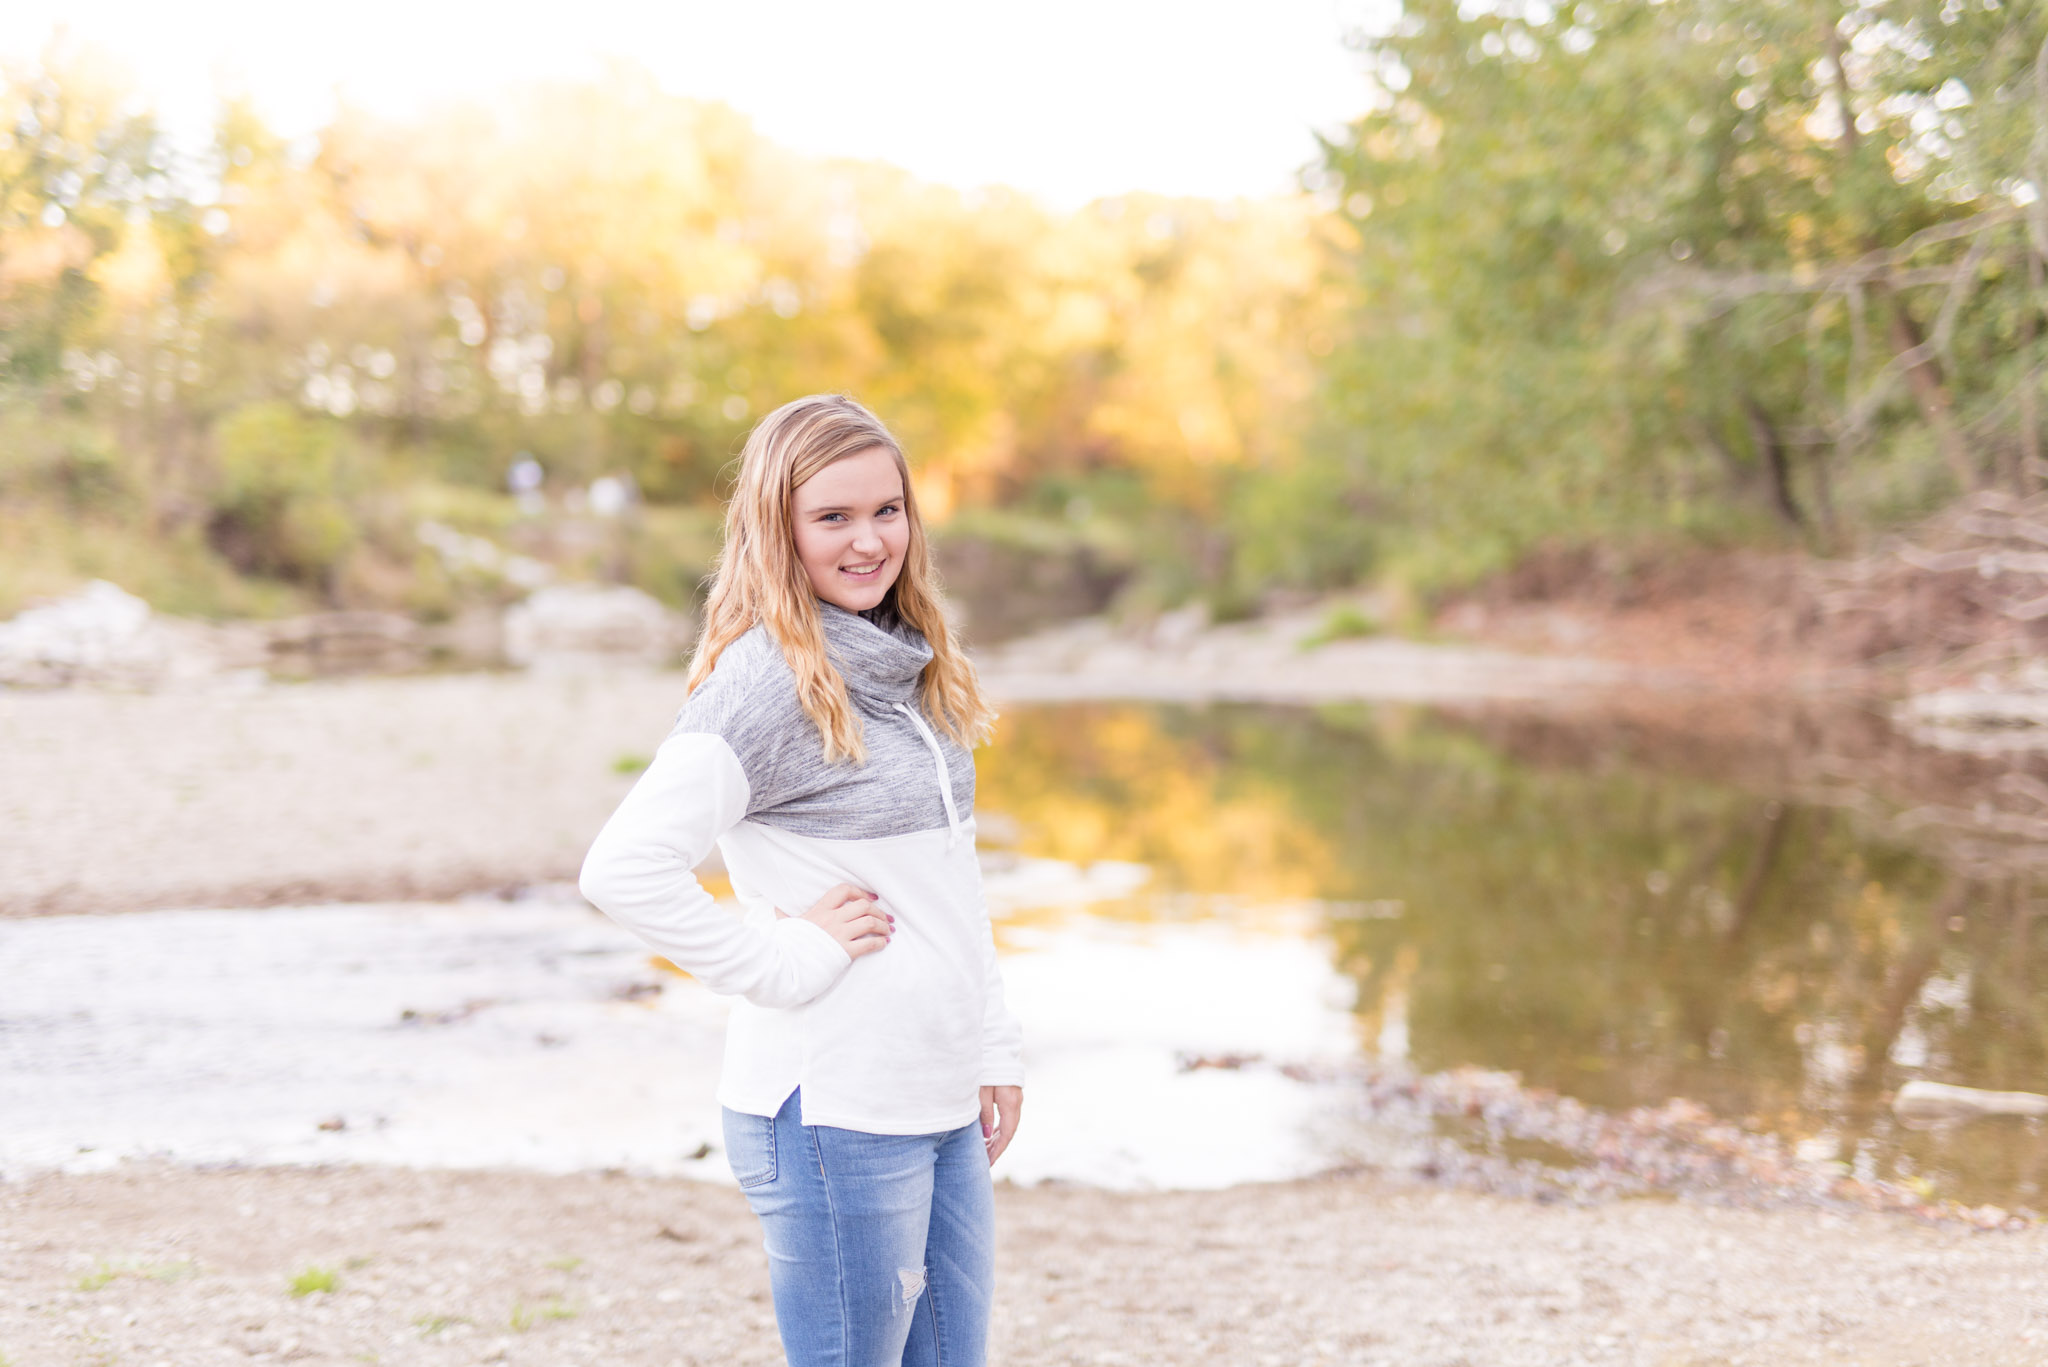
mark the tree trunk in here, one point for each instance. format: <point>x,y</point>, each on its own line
<point>1771,451</point>
<point>1930,390</point>
<point>2029,471</point>
<point>1777,820</point>
<point>1847,140</point>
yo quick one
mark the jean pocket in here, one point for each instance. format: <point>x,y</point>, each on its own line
<point>750,1147</point>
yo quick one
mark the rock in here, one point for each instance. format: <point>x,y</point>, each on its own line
<point>593,623</point>
<point>104,635</point>
<point>1932,1102</point>
<point>344,643</point>
<point>1998,712</point>
<point>474,636</point>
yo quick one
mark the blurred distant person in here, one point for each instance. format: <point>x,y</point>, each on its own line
<point>872,1071</point>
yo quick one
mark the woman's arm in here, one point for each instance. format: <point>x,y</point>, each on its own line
<point>1002,1038</point>
<point>639,873</point>
<point>1002,1045</point>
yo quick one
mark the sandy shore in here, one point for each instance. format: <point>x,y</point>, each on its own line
<point>378,789</point>
<point>168,1266</point>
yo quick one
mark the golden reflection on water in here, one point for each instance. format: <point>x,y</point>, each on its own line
<point>1605,924</point>
<point>1084,784</point>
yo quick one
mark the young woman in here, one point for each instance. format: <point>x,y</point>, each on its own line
<point>872,1073</point>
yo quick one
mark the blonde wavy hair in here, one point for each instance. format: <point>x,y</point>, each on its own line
<point>758,578</point>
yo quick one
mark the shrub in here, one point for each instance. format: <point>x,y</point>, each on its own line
<point>278,508</point>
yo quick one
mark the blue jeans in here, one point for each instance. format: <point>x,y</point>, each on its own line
<point>881,1247</point>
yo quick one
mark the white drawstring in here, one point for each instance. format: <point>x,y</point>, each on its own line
<point>945,775</point>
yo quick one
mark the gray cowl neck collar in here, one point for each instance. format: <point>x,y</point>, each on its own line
<point>881,665</point>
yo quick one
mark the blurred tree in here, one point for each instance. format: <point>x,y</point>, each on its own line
<point>616,281</point>
<point>1624,267</point>
<point>77,159</point>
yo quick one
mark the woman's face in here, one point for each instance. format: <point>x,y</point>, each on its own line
<point>852,529</point>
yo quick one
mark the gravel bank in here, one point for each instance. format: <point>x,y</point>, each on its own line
<point>1268,660</point>
<point>384,789</point>
<point>147,1265</point>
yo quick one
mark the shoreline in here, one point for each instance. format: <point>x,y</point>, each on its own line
<point>150,1263</point>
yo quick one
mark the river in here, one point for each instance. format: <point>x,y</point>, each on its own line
<point>1219,923</point>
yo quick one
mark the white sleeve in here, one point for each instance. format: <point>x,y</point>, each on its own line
<point>638,872</point>
<point>1002,1038</point>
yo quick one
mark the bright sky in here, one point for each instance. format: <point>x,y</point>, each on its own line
<point>1068,99</point>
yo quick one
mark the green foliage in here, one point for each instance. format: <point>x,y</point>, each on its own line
<point>278,508</point>
<point>1614,273</point>
<point>630,764</point>
<point>46,554</point>
<point>669,552</point>
<point>1343,622</point>
<point>62,460</point>
<point>1019,568</point>
<point>314,1279</point>
<point>1312,526</point>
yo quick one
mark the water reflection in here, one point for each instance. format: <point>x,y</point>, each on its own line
<point>1783,919</point>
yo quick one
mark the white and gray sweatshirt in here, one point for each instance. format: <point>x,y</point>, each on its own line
<point>897,1042</point>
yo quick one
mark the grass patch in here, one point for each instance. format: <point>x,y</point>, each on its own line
<point>630,764</point>
<point>1343,622</point>
<point>107,1271</point>
<point>430,1325</point>
<point>525,1316</point>
<point>314,1279</point>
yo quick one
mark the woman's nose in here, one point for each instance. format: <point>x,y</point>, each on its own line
<point>866,538</point>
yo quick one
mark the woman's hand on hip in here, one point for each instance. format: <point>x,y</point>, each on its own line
<point>851,917</point>
<point>999,1109</point>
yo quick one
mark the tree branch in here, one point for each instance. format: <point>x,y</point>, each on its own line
<point>1883,267</point>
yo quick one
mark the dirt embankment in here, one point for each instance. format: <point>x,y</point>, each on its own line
<point>171,1265</point>
<point>1962,594</point>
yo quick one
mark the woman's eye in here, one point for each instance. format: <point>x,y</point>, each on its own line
<point>890,508</point>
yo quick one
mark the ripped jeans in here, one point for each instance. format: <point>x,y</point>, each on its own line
<point>880,1246</point>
